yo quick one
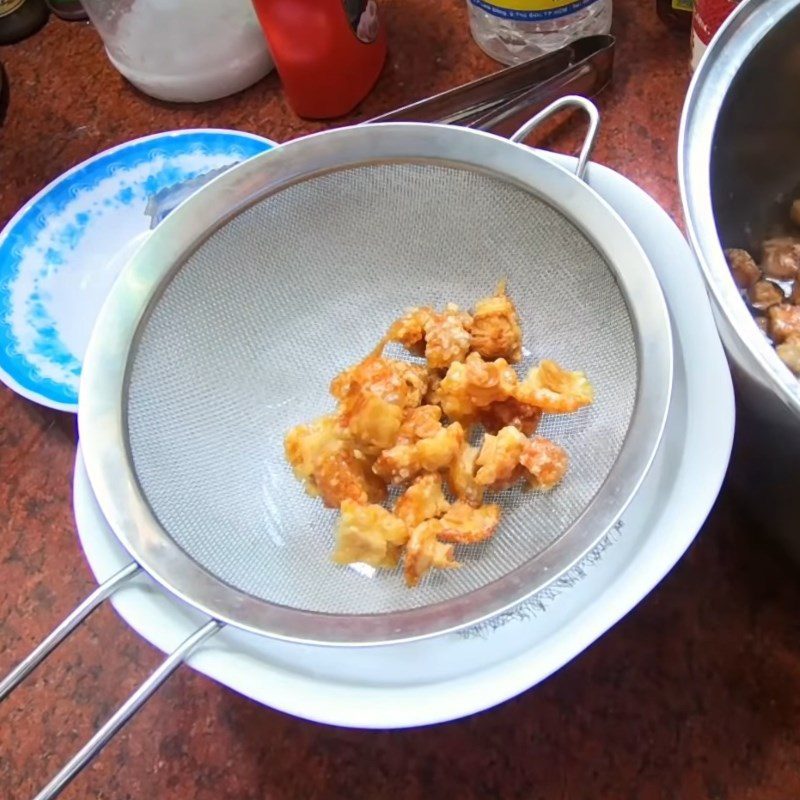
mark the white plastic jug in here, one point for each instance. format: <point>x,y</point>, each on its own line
<point>183,50</point>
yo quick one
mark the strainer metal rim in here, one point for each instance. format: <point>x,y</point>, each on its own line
<point>102,406</point>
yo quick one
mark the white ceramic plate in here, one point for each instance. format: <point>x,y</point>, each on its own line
<point>62,251</point>
<point>458,674</point>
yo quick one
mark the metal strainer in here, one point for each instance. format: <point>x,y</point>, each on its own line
<point>225,329</point>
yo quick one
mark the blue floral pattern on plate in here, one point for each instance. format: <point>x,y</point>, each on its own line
<point>62,251</point>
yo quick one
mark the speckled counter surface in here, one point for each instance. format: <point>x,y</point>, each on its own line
<point>696,694</point>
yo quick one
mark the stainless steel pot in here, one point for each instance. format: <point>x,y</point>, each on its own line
<point>739,162</point>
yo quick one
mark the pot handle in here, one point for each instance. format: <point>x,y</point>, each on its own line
<point>570,101</point>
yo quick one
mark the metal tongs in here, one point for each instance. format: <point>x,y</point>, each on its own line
<point>499,103</point>
<point>502,101</point>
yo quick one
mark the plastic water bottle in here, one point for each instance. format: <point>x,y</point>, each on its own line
<point>513,31</point>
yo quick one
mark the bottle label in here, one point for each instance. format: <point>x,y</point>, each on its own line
<point>531,10</point>
<point>9,6</point>
<point>709,16</point>
<point>707,20</point>
<point>683,5</point>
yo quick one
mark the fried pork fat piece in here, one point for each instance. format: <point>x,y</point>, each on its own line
<point>329,466</point>
<point>777,318</point>
<point>463,524</point>
<point>492,330</point>
<point>510,412</point>
<point>372,397</point>
<point>424,499</point>
<point>419,423</point>
<point>397,382</point>
<point>489,392</point>
<point>765,294</point>
<point>789,352</point>
<point>372,535</point>
<point>442,337</point>
<point>473,385</point>
<point>744,270</point>
<point>461,476</point>
<point>447,337</point>
<point>436,525</point>
<point>372,423</point>
<point>510,455</point>
<point>369,534</point>
<point>784,329</point>
<point>555,390</point>
<point>498,460</point>
<point>496,332</point>
<point>424,551</point>
<point>545,461</point>
<point>388,430</point>
<point>780,258</point>
<point>431,454</point>
<point>409,330</point>
<point>784,321</point>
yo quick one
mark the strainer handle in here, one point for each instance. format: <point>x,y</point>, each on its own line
<point>570,101</point>
<point>127,710</point>
<point>131,705</point>
<point>58,634</point>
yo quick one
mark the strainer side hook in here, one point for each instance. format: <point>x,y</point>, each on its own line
<point>570,101</point>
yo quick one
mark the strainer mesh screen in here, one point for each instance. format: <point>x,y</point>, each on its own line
<point>245,338</point>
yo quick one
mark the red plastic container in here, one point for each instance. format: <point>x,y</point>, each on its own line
<point>328,53</point>
<point>706,21</point>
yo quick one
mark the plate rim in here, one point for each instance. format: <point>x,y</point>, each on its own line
<point>41,397</point>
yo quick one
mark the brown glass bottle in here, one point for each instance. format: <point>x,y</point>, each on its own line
<point>676,13</point>
<point>21,18</point>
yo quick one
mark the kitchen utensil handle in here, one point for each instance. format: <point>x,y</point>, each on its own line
<point>25,667</point>
<point>570,101</point>
<point>588,60</point>
<point>127,710</point>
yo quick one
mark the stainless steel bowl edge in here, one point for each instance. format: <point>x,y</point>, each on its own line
<point>708,93</point>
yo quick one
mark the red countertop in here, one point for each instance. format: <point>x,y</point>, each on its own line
<point>696,694</point>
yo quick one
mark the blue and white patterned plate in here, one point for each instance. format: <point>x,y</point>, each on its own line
<point>62,251</point>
